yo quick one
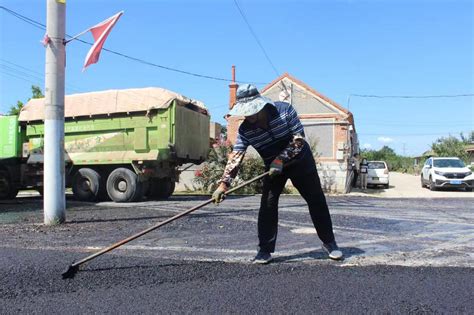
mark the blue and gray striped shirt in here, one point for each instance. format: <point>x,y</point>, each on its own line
<point>283,124</point>
<point>283,139</point>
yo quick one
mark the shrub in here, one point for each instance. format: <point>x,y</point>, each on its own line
<point>208,177</point>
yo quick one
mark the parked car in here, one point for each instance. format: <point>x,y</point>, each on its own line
<point>378,174</point>
<point>440,172</point>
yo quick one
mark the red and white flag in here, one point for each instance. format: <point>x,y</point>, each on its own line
<point>46,40</point>
<point>100,33</point>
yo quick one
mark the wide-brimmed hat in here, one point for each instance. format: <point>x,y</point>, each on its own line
<point>249,101</point>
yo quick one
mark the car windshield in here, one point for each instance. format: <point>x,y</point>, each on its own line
<point>448,163</point>
<point>376,165</point>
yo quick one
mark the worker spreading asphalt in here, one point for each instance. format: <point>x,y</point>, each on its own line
<point>401,256</point>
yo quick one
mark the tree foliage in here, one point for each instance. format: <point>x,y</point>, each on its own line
<point>35,93</point>
<point>395,162</point>
<point>469,139</point>
<point>451,146</point>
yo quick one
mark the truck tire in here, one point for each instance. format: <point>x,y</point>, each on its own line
<point>161,188</point>
<point>7,190</point>
<point>87,185</point>
<point>123,186</point>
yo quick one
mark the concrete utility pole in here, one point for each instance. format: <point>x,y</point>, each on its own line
<point>53,181</point>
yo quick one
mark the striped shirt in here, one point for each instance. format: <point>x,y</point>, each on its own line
<point>283,139</point>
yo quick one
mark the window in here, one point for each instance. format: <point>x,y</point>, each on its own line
<point>376,165</point>
<point>448,163</point>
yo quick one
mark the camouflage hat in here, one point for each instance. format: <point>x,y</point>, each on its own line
<point>249,101</point>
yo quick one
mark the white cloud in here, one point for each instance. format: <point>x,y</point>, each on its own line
<point>385,139</point>
<point>367,146</point>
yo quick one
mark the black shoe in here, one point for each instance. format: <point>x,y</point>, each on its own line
<point>332,250</point>
<point>262,258</point>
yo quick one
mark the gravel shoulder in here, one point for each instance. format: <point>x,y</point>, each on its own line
<point>408,186</point>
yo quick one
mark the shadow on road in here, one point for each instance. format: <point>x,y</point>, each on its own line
<point>320,255</point>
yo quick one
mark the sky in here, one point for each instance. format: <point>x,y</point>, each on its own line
<point>341,48</point>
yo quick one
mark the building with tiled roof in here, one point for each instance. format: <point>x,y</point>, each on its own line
<point>329,128</point>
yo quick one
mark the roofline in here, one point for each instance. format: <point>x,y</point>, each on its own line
<point>299,82</point>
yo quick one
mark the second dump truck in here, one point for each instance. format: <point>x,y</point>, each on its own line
<point>119,144</point>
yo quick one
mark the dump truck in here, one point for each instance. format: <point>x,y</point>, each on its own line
<point>119,144</point>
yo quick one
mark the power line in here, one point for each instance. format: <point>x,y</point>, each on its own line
<point>18,77</point>
<point>24,18</point>
<point>406,96</point>
<point>412,134</point>
<point>429,124</point>
<point>256,38</point>
<point>43,27</point>
<point>24,68</point>
<point>411,96</point>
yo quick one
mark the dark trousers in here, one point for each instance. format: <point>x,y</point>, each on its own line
<point>354,181</point>
<point>309,187</point>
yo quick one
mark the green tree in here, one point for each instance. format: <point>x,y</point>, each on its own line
<point>15,110</point>
<point>450,146</point>
<point>394,161</point>
<point>35,93</point>
<point>469,138</point>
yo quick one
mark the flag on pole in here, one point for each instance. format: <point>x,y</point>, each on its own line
<point>100,33</point>
<point>46,40</point>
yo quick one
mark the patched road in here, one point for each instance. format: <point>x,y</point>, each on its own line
<point>402,255</point>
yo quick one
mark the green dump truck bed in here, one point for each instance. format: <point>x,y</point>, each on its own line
<point>121,126</point>
<point>9,137</point>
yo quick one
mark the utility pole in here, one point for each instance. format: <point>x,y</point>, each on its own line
<point>54,202</point>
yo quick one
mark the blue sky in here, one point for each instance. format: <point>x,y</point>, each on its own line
<point>339,48</point>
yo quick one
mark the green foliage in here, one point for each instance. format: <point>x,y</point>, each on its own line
<point>395,162</point>
<point>211,172</point>
<point>469,138</point>
<point>451,146</point>
<point>35,92</point>
<point>15,110</point>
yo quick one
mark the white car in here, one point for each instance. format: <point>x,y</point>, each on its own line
<point>378,173</point>
<point>440,172</point>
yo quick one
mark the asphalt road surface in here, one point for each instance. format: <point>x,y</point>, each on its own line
<point>410,256</point>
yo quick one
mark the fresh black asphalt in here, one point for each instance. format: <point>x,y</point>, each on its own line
<point>200,264</point>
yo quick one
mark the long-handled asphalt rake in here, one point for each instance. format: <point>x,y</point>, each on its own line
<point>74,267</point>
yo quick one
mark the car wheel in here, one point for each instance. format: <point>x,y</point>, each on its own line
<point>422,182</point>
<point>468,188</point>
<point>432,185</point>
<point>386,186</point>
<point>123,186</point>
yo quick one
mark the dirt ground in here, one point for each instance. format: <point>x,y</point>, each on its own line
<point>408,186</point>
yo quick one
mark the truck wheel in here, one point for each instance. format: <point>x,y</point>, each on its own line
<point>123,186</point>
<point>7,191</point>
<point>87,185</point>
<point>161,188</point>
